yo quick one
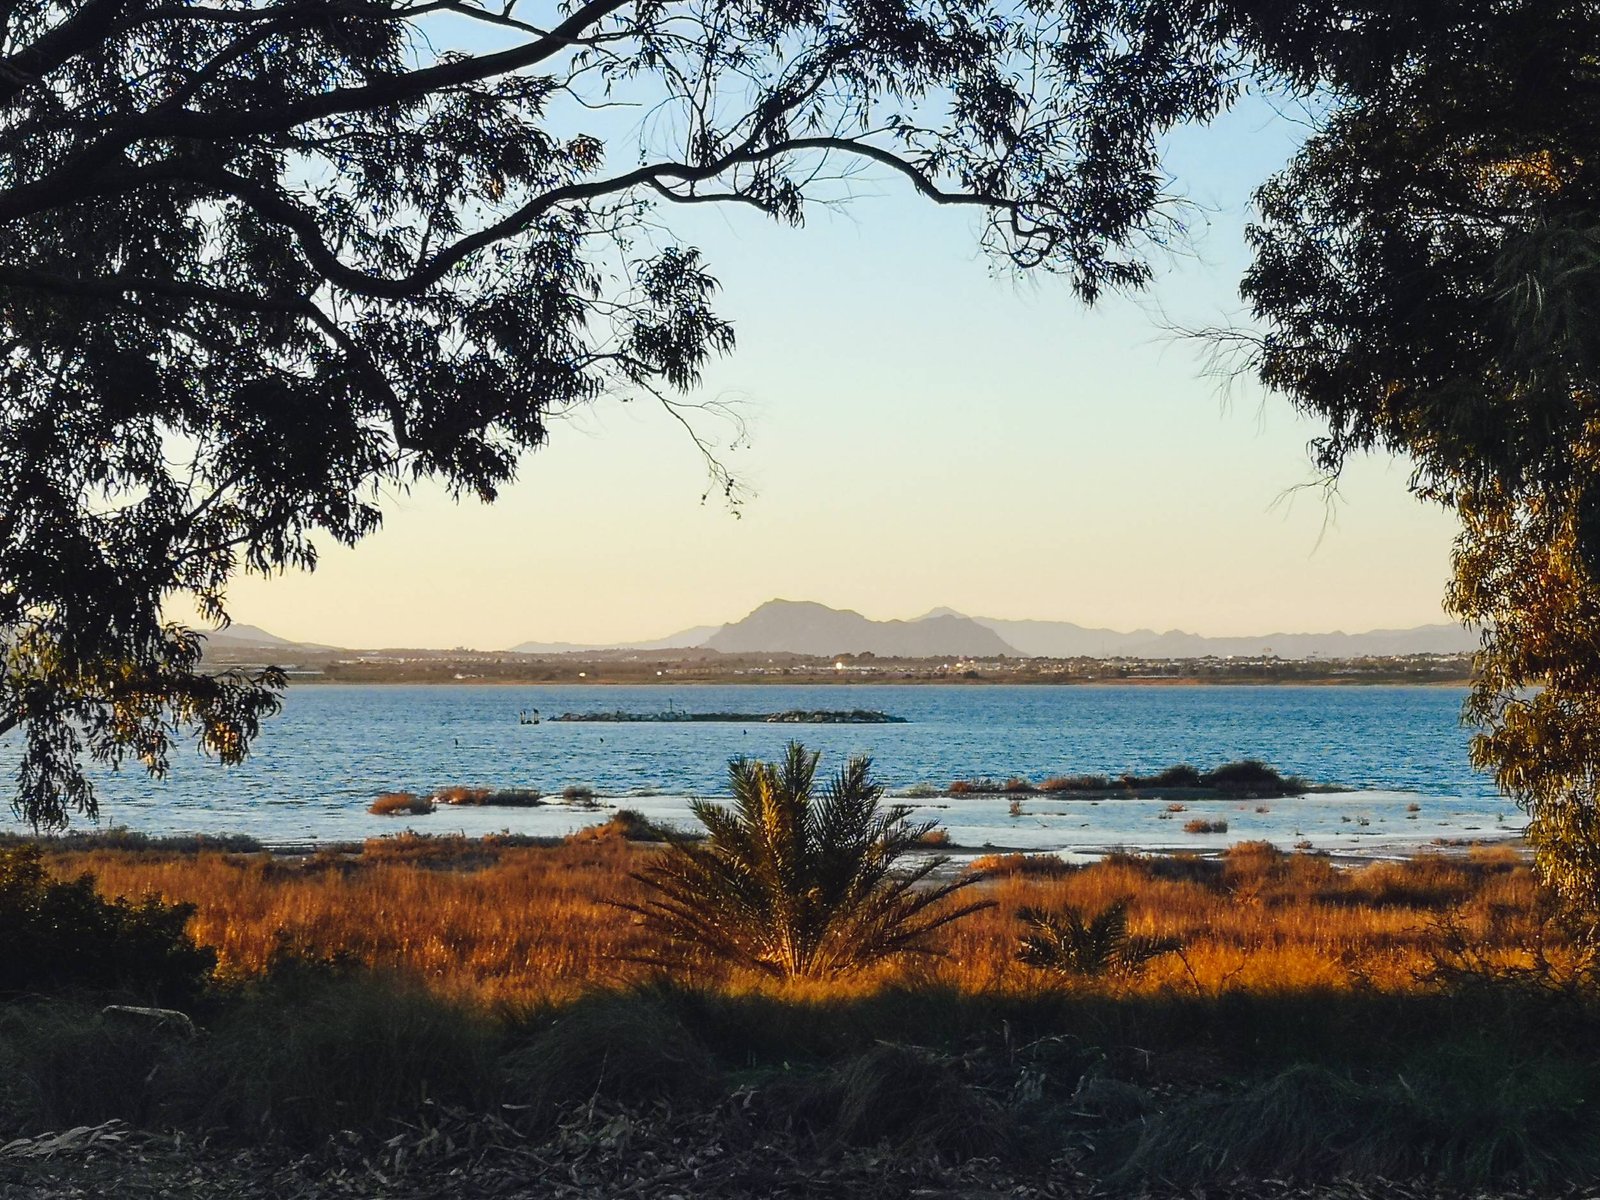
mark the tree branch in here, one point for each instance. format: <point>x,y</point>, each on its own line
<point>390,90</point>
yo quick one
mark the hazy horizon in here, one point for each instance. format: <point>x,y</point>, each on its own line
<point>923,432</point>
<point>643,635</point>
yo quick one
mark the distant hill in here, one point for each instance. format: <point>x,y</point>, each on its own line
<point>1421,639</point>
<point>1063,639</point>
<point>687,639</point>
<point>802,627</point>
<point>245,635</point>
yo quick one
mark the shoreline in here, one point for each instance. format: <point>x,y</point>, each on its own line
<point>960,855</point>
<point>825,681</point>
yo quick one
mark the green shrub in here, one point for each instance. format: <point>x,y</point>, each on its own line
<point>62,935</point>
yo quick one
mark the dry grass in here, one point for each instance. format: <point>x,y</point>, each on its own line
<point>1030,865</point>
<point>401,804</point>
<point>1202,825</point>
<point>1077,783</point>
<point>513,919</point>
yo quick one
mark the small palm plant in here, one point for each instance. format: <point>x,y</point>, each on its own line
<point>793,885</point>
<point>1068,944</point>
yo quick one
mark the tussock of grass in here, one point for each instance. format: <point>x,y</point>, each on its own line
<point>64,1064</point>
<point>490,797</point>
<point>976,787</point>
<point>401,804</point>
<point>1077,783</point>
<point>1205,825</point>
<point>905,1099</point>
<point>628,824</point>
<point>627,1049</point>
<point>1035,865</point>
<point>1492,1122</point>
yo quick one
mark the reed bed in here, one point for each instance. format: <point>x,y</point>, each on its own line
<point>523,922</point>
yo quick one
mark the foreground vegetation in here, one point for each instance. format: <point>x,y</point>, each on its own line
<point>477,1005</point>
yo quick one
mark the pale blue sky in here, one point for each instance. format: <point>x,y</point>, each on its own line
<point>924,431</point>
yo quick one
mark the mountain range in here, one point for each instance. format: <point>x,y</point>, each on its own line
<point>807,628</point>
<point>804,627</point>
<point>687,639</point>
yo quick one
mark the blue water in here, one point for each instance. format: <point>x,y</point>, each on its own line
<point>318,764</point>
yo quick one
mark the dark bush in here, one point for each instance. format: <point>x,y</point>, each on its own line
<point>1250,774</point>
<point>61,935</point>
<point>1180,776</point>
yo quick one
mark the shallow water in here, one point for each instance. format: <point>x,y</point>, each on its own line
<point>319,764</point>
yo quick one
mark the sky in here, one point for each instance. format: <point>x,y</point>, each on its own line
<point>923,430</point>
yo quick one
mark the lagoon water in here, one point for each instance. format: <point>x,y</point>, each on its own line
<point>319,764</point>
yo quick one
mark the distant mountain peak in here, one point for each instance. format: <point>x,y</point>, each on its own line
<point>245,635</point>
<point>806,627</point>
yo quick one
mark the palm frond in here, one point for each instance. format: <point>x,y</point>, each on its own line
<point>1067,943</point>
<point>794,885</point>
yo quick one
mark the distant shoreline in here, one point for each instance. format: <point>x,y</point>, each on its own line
<point>826,681</point>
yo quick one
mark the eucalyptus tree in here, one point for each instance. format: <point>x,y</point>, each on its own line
<point>1427,273</point>
<point>261,260</point>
